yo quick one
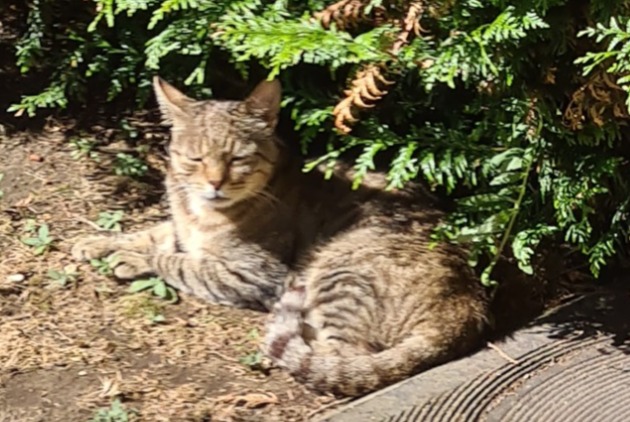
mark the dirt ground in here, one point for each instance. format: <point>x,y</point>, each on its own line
<point>68,350</point>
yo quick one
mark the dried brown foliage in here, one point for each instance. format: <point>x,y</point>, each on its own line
<point>597,100</point>
<point>410,24</point>
<point>347,14</point>
<point>368,86</point>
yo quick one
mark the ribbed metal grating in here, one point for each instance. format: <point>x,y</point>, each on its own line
<point>585,380</point>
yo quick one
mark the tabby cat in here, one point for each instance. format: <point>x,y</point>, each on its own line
<point>359,300</point>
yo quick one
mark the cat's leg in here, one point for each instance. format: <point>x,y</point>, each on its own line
<point>159,238</point>
<point>255,283</point>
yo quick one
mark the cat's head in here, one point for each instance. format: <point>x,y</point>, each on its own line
<point>221,152</point>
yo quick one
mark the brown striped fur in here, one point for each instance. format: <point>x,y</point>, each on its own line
<point>359,298</point>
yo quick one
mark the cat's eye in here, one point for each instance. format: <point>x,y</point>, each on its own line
<point>238,160</point>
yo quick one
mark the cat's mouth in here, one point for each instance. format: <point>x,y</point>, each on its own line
<point>216,201</point>
<point>217,196</point>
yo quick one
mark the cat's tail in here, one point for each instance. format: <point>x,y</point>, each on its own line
<point>342,372</point>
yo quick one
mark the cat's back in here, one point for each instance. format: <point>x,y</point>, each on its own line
<point>340,205</point>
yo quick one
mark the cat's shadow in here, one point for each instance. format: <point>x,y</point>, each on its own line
<point>592,315</point>
<point>602,312</point>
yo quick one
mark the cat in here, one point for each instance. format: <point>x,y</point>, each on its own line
<point>359,299</point>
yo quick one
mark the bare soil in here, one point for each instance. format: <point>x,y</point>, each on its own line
<point>68,350</point>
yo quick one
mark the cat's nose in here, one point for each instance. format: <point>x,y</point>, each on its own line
<point>216,183</point>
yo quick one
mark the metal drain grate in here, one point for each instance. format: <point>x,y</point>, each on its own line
<point>566,381</point>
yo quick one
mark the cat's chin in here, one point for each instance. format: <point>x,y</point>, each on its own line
<point>202,205</point>
<point>219,203</point>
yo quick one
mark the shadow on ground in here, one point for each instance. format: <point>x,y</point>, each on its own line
<point>593,315</point>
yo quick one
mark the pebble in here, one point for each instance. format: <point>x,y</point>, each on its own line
<point>16,278</point>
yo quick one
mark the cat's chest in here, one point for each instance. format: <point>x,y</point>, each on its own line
<point>192,241</point>
<point>199,242</point>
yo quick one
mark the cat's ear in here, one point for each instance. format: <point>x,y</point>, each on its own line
<point>264,101</point>
<point>172,102</point>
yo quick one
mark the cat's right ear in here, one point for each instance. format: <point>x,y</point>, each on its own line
<point>172,102</point>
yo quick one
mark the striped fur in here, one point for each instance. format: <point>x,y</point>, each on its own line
<point>359,299</point>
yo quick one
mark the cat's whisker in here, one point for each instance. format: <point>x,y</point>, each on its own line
<point>266,196</point>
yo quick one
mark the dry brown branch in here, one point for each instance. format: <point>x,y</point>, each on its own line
<point>531,119</point>
<point>597,100</point>
<point>344,13</point>
<point>502,353</point>
<point>410,24</point>
<point>368,86</point>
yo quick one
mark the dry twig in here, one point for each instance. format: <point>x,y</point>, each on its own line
<point>410,24</point>
<point>345,14</point>
<point>368,86</point>
<point>502,353</point>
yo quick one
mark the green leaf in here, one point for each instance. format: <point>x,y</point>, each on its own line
<point>158,318</point>
<point>43,231</point>
<point>140,285</point>
<point>31,241</point>
<point>171,296</point>
<point>160,290</point>
<point>55,275</point>
<point>506,179</point>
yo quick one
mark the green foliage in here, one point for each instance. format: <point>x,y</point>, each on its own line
<point>40,239</point>
<point>478,109</point>
<point>252,360</point>
<point>104,266</point>
<point>616,58</point>
<point>115,413</point>
<point>280,40</point>
<point>157,286</point>
<point>129,165</point>
<point>29,47</point>
<point>83,148</point>
<point>62,277</point>
<point>110,220</point>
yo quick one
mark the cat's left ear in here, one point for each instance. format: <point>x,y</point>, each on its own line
<point>264,101</point>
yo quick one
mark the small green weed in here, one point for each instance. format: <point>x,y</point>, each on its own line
<point>155,318</point>
<point>254,360</point>
<point>83,148</point>
<point>42,240</point>
<point>110,220</point>
<point>62,277</point>
<point>253,334</point>
<point>148,307</point>
<point>130,131</point>
<point>30,225</point>
<point>115,413</point>
<point>158,287</point>
<point>104,266</point>
<point>128,165</point>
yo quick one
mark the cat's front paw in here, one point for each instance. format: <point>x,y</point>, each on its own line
<point>130,265</point>
<point>92,247</point>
